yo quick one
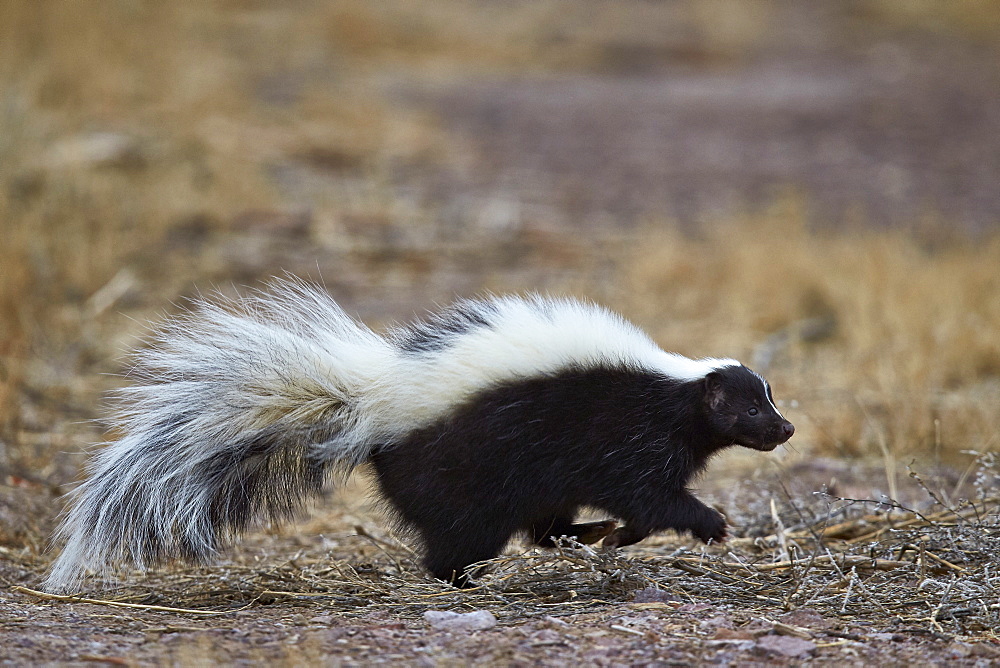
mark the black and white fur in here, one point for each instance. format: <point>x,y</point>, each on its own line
<point>492,418</point>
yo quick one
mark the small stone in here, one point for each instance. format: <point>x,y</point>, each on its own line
<point>96,149</point>
<point>731,644</point>
<point>460,621</point>
<point>322,619</point>
<point>653,595</point>
<point>732,634</point>
<point>717,622</point>
<point>789,646</point>
<point>548,637</point>
<point>981,649</point>
<point>807,618</point>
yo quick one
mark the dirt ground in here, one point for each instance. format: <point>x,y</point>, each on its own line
<point>613,634</point>
<point>266,600</point>
<point>529,173</point>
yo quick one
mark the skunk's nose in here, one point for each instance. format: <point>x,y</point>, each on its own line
<point>788,429</point>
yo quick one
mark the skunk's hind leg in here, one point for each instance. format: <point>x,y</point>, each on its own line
<point>449,554</point>
<point>543,533</point>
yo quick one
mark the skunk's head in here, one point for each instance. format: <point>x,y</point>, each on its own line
<point>741,409</point>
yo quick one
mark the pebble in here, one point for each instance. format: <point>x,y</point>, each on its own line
<point>460,621</point>
<point>789,646</point>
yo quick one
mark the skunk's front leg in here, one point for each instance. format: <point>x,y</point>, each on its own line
<point>681,512</point>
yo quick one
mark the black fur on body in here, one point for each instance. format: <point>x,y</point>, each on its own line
<point>526,457</point>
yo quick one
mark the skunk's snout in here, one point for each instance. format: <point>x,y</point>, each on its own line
<point>787,429</point>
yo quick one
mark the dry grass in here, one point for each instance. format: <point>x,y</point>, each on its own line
<point>926,570</point>
<point>977,18</point>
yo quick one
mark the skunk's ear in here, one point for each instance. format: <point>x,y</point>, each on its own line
<point>712,388</point>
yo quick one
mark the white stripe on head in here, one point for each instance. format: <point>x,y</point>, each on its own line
<point>767,393</point>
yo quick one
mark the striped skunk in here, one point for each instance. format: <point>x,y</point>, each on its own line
<point>489,419</point>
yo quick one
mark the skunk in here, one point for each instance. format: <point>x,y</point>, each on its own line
<point>494,417</point>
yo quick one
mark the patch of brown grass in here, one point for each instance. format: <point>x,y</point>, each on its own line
<point>14,285</point>
<point>976,18</point>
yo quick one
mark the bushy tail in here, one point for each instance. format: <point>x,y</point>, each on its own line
<point>239,410</point>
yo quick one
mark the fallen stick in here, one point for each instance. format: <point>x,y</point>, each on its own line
<point>73,598</point>
<point>847,560</point>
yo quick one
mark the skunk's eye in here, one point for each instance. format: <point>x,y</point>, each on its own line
<point>752,412</point>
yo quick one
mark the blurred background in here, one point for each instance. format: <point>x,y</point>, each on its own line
<point>811,187</point>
